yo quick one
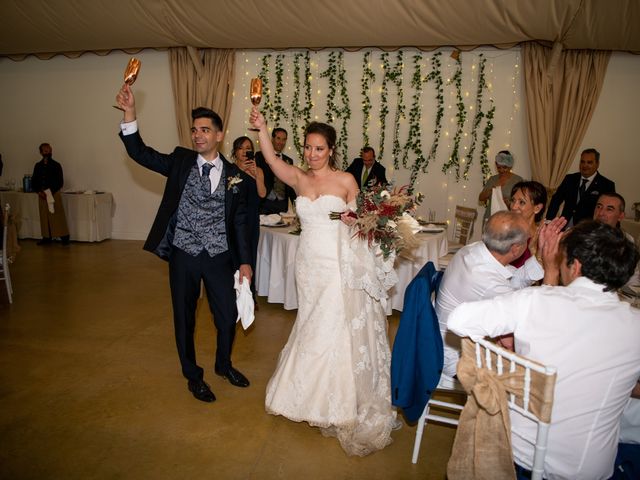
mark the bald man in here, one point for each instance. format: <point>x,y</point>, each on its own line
<point>482,270</point>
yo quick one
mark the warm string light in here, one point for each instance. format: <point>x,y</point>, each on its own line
<point>514,109</point>
<point>499,73</point>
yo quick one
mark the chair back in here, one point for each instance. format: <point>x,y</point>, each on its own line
<point>5,230</point>
<point>524,386</point>
<point>4,254</point>
<point>464,221</point>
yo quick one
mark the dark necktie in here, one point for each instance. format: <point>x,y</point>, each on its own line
<point>206,181</point>
<point>583,188</point>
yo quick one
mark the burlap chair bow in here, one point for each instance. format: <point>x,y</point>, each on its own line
<point>482,447</point>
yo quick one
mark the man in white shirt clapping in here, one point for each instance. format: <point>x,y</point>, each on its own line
<point>585,331</point>
<point>481,270</point>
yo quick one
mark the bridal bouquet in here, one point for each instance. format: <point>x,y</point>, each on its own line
<point>383,218</point>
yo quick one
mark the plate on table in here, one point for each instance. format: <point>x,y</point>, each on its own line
<point>424,223</point>
<point>277,225</point>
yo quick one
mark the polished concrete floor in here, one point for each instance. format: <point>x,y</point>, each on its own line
<point>90,385</point>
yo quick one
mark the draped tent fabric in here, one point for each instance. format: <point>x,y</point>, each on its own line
<point>46,27</point>
<point>562,90</point>
<point>200,78</point>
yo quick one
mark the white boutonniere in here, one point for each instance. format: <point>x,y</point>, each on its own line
<point>232,182</point>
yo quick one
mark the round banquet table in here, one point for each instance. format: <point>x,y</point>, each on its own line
<point>275,272</point>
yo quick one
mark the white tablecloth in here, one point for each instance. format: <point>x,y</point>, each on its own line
<point>275,273</point>
<point>24,207</point>
<point>88,215</point>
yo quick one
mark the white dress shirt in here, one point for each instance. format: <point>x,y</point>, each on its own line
<point>129,128</point>
<point>593,339</point>
<point>474,274</point>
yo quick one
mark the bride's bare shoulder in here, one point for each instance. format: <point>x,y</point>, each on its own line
<point>345,177</point>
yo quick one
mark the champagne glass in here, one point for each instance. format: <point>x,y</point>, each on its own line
<point>255,93</point>
<point>131,73</point>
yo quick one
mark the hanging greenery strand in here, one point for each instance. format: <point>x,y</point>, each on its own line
<point>384,102</point>
<point>267,109</point>
<point>279,113</point>
<point>336,75</point>
<point>300,114</point>
<point>461,115</point>
<point>393,75</point>
<point>435,76</point>
<point>414,141</point>
<point>397,75</point>
<point>477,119</point>
<point>488,128</point>
<point>368,77</point>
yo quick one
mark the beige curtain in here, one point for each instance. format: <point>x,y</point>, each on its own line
<point>562,90</point>
<point>200,78</point>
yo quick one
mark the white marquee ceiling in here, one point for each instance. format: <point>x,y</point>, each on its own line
<point>63,26</point>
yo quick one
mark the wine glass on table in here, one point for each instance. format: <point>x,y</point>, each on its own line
<point>131,73</point>
<point>255,93</point>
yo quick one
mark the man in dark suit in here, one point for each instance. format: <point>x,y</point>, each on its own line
<point>278,194</point>
<point>580,191</point>
<point>366,170</point>
<point>201,230</point>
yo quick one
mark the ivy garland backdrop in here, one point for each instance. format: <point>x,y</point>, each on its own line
<point>453,99</point>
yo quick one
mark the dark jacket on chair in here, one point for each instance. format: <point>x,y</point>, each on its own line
<point>417,358</point>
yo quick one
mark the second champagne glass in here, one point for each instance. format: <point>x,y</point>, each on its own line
<point>255,94</point>
<point>131,73</point>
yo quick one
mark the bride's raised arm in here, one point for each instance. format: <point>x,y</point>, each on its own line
<point>285,172</point>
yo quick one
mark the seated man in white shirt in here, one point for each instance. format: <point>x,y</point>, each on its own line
<point>587,333</point>
<point>481,270</point>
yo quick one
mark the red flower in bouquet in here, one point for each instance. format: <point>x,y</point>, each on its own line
<point>379,218</point>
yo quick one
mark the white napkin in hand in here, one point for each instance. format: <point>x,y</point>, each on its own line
<point>50,201</point>
<point>244,300</point>
<point>272,219</point>
<point>497,201</point>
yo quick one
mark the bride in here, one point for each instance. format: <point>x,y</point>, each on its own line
<point>334,370</point>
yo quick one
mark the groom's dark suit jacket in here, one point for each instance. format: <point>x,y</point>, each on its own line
<point>567,192</point>
<point>377,174</point>
<point>176,167</point>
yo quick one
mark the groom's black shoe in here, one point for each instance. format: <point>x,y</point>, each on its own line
<point>234,376</point>
<point>201,391</point>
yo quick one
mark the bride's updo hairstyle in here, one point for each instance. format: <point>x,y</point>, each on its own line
<point>329,135</point>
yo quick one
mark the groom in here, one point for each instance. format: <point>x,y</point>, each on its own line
<point>201,230</point>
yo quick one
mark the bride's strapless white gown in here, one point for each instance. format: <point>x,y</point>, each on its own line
<point>334,371</point>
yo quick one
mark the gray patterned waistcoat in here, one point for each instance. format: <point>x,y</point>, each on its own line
<point>200,224</point>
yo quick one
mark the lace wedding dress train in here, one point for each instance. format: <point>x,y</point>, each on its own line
<point>334,371</point>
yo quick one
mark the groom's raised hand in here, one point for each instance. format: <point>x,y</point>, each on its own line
<point>127,103</point>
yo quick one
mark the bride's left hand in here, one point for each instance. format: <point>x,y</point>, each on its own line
<point>348,217</point>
